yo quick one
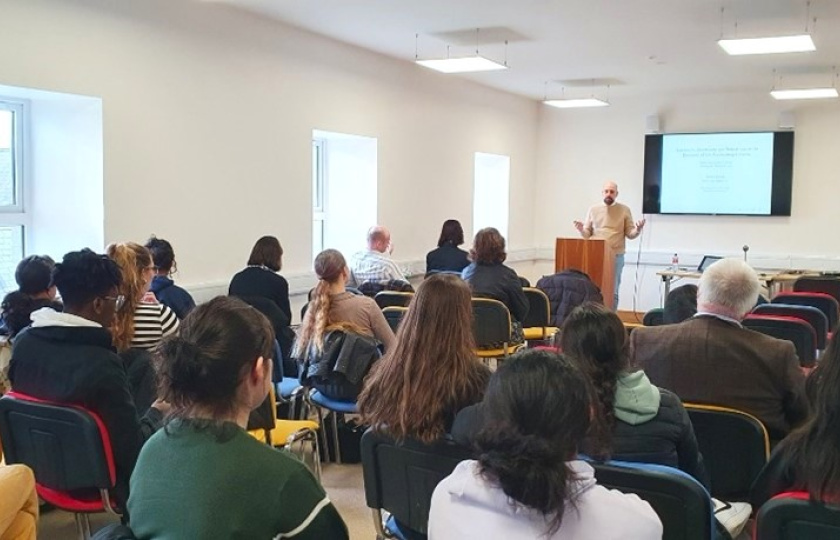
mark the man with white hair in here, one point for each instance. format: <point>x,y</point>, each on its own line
<point>613,222</point>
<point>375,265</point>
<point>711,358</point>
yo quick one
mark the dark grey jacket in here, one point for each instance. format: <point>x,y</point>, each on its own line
<point>498,282</point>
<point>566,290</point>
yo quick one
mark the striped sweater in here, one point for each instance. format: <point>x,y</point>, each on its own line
<point>152,322</point>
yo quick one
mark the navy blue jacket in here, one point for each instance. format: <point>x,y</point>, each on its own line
<point>172,296</point>
<point>446,258</point>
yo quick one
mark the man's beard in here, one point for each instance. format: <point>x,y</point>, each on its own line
<point>608,200</point>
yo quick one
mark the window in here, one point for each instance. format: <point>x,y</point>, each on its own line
<point>11,181</point>
<point>344,191</point>
<point>491,192</point>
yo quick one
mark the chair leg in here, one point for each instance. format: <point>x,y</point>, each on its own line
<point>82,526</point>
<point>335,437</point>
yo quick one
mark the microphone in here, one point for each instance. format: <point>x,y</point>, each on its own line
<point>746,248</point>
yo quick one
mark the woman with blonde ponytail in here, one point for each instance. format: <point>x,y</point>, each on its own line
<point>140,324</point>
<point>333,306</point>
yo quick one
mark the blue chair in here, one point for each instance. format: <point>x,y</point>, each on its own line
<point>811,315</point>
<point>792,329</point>
<point>335,407</point>
<point>681,502</point>
<point>792,516</point>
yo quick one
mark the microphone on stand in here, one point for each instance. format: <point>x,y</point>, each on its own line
<point>746,249</point>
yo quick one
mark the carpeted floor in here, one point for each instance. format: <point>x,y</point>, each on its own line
<point>342,482</point>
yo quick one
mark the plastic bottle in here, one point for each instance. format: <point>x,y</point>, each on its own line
<point>675,262</point>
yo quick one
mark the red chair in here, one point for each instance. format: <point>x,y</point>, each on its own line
<point>793,516</point>
<point>821,284</point>
<point>824,302</point>
<point>797,331</point>
<point>68,448</point>
<point>811,315</point>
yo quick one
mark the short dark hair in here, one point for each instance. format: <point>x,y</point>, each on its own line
<point>204,363</point>
<point>267,252</point>
<point>84,275</point>
<point>162,253</point>
<point>488,247</point>
<point>451,233</point>
<point>16,309</point>
<point>680,304</point>
<point>536,414</point>
<point>34,274</point>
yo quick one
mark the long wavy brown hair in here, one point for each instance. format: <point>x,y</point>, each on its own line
<point>133,259</point>
<point>432,372</point>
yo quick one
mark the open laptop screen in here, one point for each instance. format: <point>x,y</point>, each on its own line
<point>707,261</point>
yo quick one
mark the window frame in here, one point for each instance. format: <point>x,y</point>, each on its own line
<point>319,190</point>
<point>19,123</point>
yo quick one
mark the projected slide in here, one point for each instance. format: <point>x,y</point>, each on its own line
<point>720,173</point>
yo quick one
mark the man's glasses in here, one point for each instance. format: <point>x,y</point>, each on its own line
<point>119,301</point>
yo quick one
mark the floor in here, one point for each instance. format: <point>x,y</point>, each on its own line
<point>342,482</point>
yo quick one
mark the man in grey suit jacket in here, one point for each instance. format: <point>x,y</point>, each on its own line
<point>712,359</point>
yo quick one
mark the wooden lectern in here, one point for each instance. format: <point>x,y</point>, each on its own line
<point>593,256</point>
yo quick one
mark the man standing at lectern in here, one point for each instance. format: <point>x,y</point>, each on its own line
<point>612,222</point>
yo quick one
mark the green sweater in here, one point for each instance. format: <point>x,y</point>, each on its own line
<point>222,483</point>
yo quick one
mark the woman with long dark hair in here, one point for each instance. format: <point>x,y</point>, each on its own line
<point>203,476</point>
<point>809,458</point>
<point>526,481</point>
<point>448,257</point>
<point>634,420</point>
<point>431,373</point>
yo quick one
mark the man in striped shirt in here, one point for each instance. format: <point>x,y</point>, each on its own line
<point>375,265</point>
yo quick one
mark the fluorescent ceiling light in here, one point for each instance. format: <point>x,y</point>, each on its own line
<point>768,45</point>
<point>574,103</point>
<point>466,64</point>
<point>805,93</point>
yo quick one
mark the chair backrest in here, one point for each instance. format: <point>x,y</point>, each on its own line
<point>654,317</point>
<point>822,284</point>
<point>679,500</point>
<point>67,446</point>
<point>393,298</point>
<point>824,302</point>
<point>735,447</point>
<point>491,323</point>
<point>394,315</point>
<point>539,312</point>
<point>792,516</point>
<point>795,330</point>
<point>811,315</point>
<point>401,477</point>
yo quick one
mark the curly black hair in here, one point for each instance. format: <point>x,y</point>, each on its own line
<point>162,253</point>
<point>84,275</point>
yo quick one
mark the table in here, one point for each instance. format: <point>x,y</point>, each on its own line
<point>775,280</point>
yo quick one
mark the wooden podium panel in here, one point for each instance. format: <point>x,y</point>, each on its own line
<point>592,256</point>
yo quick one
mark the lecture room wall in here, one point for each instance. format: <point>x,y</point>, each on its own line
<point>208,114</point>
<point>580,149</point>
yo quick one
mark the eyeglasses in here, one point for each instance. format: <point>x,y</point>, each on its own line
<point>119,301</point>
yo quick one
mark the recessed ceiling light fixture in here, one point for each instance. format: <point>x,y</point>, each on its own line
<point>805,93</point>
<point>462,64</point>
<point>576,103</point>
<point>768,45</point>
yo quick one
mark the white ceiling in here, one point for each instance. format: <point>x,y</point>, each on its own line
<point>646,46</point>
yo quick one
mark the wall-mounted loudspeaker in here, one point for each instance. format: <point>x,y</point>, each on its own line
<point>652,124</point>
<point>787,120</point>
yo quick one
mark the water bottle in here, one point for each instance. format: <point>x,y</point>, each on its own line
<point>675,262</point>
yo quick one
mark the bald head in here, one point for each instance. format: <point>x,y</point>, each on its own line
<point>610,192</point>
<point>378,239</point>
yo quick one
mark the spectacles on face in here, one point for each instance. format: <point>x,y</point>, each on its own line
<point>119,301</point>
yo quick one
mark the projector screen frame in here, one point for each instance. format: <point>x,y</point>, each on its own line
<point>782,174</point>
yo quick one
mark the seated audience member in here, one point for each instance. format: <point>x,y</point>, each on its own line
<point>203,476</point>
<point>527,481</point>
<point>261,286</point>
<point>809,458</point>
<point>489,278</point>
<point>431,373</point>
<point>35,290</point>
<point>140,324</point>
<point>68,357</point>
<point>164,289</point>
<point>334,308</point>
<point>711,358</point>
<point>375,265</point>
<point>566,290</point>
<point>634,420</point>
<point>448,257</point>
<point>18,503</point>
<point>681,304</point>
